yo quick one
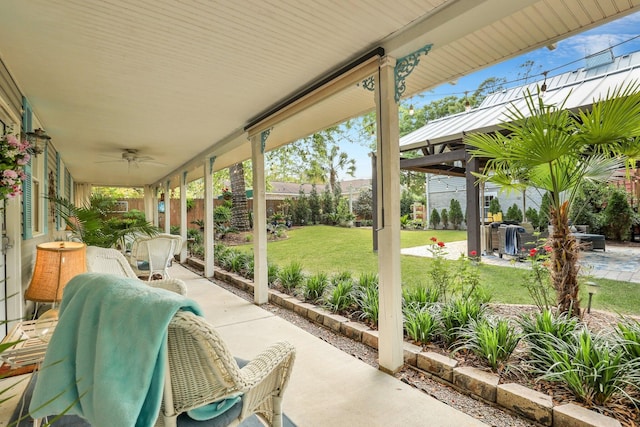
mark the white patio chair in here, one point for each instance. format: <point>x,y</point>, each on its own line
<point>202,370</point>
<point>111,261</point>
<point>159,254</point>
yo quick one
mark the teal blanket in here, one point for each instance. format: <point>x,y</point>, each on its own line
<point>106,358</point>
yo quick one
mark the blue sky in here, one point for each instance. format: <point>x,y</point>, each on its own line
<point>572,49</point>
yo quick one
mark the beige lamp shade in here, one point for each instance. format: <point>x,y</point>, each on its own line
<point>56,264</point>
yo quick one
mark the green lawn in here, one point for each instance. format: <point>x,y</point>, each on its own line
<point>335,249</point>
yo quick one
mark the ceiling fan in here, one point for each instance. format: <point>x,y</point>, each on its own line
<point>131,157</point>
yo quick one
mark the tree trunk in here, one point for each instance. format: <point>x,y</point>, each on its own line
<point>240,214</point>
<point>564,262</point>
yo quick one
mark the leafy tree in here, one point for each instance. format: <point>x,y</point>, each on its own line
<point>545,215</point>
<point>494,206</point>
<point>514,213</point>
<point>314,205</point>
<point>553,149</point>
<point>363,205</point>
<point>434,219</point>
<point>455,214</point>
<point>405,203</point>
<point>444,217</point>
<point>316,159</point>
<point>618,215</point>
<point>532,217</point>
<point>300,209</point>
<point>589,205</point>
<point>327,204</point>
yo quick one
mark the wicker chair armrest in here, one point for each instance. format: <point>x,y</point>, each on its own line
<point>266,377</point>
<point>173,285</point>
<point>280,354</point>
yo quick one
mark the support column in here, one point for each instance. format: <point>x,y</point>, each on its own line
<point>183,217</point>
<point>148,203</point>
<point>260,272</point>
<point>390,349</point>
<point>154,197</point>
<point>208,217</point>
<point>473,205</point>
<point>167,207</point>
<point>374,201</point>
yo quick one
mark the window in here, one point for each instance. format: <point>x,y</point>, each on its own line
<point>487,201</point>
<point>37,193</point>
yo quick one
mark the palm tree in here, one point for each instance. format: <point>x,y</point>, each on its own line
<point>95,225</point>
<point>240,213</point>
<point>553,149</point>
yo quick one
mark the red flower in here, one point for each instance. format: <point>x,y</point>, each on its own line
<point>548,248</point>
<point>441,244</point>
<point>434,239</point>
<point>533,252</point>
<point>474,253</point>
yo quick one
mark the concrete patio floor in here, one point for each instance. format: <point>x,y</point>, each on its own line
<point>328,387</point>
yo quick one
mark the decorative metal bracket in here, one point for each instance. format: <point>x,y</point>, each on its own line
<point>369,84</point>
<point>212,160</point>
<point>263,139</point>
<point>405,66</point>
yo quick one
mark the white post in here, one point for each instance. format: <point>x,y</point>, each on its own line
<point>183,217</point>
<point>390,349</point>
<point>167,207</point>
<point>208,217</point>
<point>427,212</point>
<point>260,272</point>
<point>148,203</point>
<point>154,197</point>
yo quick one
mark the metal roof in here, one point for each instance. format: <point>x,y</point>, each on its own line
<point>581,86</point>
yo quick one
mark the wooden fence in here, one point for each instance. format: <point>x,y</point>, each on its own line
<point>197,209</point>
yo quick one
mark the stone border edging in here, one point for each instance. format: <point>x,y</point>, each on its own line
<point>528,403</point>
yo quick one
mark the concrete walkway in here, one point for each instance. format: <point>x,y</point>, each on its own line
<point>618,262</point>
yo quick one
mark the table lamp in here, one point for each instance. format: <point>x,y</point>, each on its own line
<point>56,264</point>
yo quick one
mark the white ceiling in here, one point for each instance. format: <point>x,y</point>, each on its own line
<point>180,80</point>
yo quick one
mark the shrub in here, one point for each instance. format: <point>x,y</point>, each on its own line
<point>444,218</point>
<point>491,339</point>
<point>593,368</point>
<point>538,280</point>
<point>273,271</point>
<point>455,214</point>
<point>618,215</point>
<point>457,314</point>
<point>421,324</point>
<point>367,298</point>
<point>315,286</point>
<point>419,296</point>
<point>494,206</point>
<point>628,332</point>
<point>434,220</point>
<point>532,217</point>
<point>514,213</point>
<point>341,296</point>
<point>291,277</point>
<point>438,272</point>
<point>541,329</point>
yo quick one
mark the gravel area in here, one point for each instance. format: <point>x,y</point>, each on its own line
<point>485,412</point>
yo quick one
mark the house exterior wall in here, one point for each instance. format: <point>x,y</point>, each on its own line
<point>442,189</point>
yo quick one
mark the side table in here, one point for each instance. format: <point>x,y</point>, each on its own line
<point>28,353</point>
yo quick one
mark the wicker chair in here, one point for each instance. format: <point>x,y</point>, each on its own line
<point>158,246</point>
<point>111,261</point>
<point>202,370</point>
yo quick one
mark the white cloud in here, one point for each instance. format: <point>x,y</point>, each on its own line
<point>587,44</point>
